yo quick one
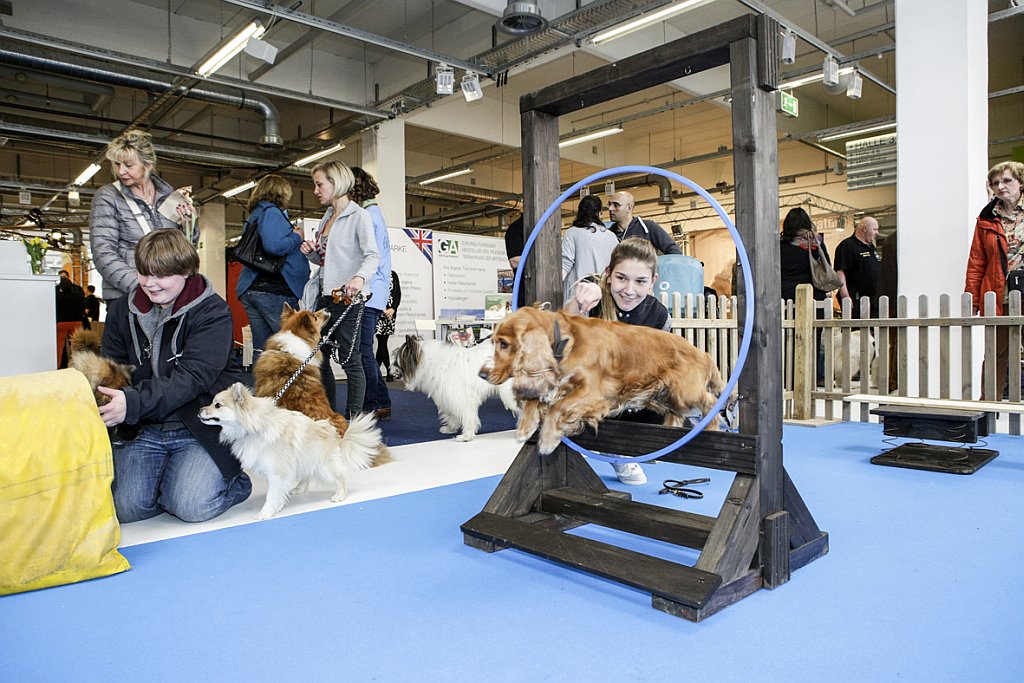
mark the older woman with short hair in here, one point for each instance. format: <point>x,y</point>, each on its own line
<point>346,250</point>
<point>997,252</point>
<point>126,209</point>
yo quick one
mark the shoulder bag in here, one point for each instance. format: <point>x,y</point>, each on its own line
<point>250,252</point>
<point>823,276</point>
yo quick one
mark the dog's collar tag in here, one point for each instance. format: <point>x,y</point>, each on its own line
<point>558,347</point>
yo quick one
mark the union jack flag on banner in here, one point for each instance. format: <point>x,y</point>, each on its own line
<point>424,241</point>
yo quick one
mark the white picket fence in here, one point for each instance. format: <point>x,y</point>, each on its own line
<point>816,344</point>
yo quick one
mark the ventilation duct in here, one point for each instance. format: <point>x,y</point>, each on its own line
<point>521,18</point>
<point>271,138</point>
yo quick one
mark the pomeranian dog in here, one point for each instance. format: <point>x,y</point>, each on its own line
<point>288,448</point>
<point>101,372</point>
<point>450,376</point>
<point>285,351</point>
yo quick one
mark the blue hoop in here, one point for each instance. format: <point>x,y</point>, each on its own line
<point>748,320</point>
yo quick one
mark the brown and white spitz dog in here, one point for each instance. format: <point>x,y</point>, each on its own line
<point>284,353</point>
<point>101,372</point>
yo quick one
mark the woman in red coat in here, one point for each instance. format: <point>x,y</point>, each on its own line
<point>998,249</point>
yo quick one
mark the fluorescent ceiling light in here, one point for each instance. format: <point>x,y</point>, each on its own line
<point>858,131</point>
<point>446,176</point>
<point>605,132</point>
<point>804,80</point>
<point>646,20</point>
<point>86,175</point>
<point>231,47</point>
<point>318,155</point>
<point>240,189</point>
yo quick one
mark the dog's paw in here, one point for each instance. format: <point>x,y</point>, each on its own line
<point>547,444</point>
<point>263,515</point>
<point>338,497</point>
<point>448,429</point>
<point>465,437</point>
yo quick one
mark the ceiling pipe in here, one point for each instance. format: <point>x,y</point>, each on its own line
<point>55,105</point>
<point>103,94</point>
<point>240,99</point>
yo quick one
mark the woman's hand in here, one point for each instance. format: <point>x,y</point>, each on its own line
<point>307,246</point>
<point>354,286</point>
<point>586,297</point>
<point>114,412</point>
<point>389,313</point>
<point>186,211</point>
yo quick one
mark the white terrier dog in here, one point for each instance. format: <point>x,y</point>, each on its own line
<point>450,376</point>
<point>288,448</point>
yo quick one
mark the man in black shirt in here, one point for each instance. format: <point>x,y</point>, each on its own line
<point>858,265</point>
<point>625,225</point>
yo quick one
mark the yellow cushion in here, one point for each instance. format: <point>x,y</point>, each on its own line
<point>57,520</point>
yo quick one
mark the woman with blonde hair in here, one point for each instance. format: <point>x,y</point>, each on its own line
<point>347,253</point>
<point>128,208</point>
<point>263,295</point>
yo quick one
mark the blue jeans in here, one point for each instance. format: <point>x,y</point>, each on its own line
<point>264,311</point>
<point>169,471</point>
<point>377,395</point>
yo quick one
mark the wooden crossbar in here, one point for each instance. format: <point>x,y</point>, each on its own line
<point>676,582</point>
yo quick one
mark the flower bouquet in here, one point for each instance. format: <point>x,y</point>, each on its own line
<point>36,248</point>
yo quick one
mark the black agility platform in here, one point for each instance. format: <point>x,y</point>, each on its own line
<point>959,426</point>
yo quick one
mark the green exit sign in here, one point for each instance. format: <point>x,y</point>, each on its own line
<point>788,104</point>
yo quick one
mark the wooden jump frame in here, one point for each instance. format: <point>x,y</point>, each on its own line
<point>763,530</point>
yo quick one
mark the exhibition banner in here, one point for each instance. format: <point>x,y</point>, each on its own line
<point>467,268</point>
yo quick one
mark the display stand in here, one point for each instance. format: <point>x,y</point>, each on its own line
<point>763,530</point>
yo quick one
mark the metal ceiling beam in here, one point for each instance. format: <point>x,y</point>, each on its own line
<point>813,40</point>
<point>39,40</point>
<point>334,27</point>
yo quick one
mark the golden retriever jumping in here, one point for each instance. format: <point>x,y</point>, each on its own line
<point>575,371</point>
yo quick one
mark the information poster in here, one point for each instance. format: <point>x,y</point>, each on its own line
<point>412,258</point>
<point>467,268</point>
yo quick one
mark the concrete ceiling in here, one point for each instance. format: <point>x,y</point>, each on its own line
<point>328,87</point>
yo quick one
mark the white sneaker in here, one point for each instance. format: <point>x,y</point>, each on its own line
<point>630,473</point>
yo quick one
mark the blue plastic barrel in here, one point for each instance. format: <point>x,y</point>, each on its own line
<point>679,273</point>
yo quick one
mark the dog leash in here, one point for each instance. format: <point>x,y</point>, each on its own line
<point>681,487</point>
<point>357,299</point>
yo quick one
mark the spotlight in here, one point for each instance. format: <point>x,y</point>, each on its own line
<point>445,76</point>
<point>830,71</point>
<point>261,49</point>
<point>74,199</point>
<point>471,87</point>
<point>788,47</point>
<point>854,86</point>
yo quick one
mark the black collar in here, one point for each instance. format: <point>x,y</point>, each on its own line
<point>558,346</point>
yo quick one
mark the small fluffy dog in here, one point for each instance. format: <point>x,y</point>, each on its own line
<point>838,365</point>
<point>101,372</point>
<point>285,352</point>
<point>450,376</point>
<point>575,371</point>
<point>287,448</point>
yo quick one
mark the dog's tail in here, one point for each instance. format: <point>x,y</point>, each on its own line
<point>84,340</point>
<point>363,446</point>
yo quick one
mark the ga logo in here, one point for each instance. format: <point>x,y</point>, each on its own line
<point>449,247</point>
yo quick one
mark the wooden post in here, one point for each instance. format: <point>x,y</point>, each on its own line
<point>803,353</point>
<point>542,275</point>
<point>756,164</point>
